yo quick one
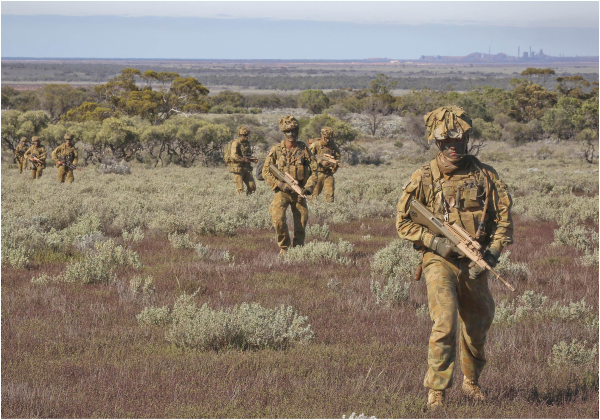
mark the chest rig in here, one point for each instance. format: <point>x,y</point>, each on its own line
<point>293,161</point>
<point>461,197</point>
<point>245,148</point>
<point>68,152</point>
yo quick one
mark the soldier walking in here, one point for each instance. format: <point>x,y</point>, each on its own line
<point>239,162</point>
<point>67,153</point>
<point>325,181</point>
<point>36,154</point>
<point>456,187</point>
<point>20,154</point>
<point>290,156</point>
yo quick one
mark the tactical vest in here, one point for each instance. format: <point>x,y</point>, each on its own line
<point>320,150</point>
<point>66,151</point>
<point>293,161</point>
<point>460,198</point>
<point>37,152</point>
<point>243,149</point>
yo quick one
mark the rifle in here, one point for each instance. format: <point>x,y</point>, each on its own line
<point>251,158</point>
<point>328,158</point>
<point>467,246</point>
<point>66,161</point>
<point>288,179</point>
<point>36,160</point>
<point>20,152</point>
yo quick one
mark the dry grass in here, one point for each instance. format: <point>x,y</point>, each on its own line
<point>77,350</point>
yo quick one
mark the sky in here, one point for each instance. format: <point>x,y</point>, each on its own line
<point>295,30</point>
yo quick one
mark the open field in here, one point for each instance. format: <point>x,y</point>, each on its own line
<point>72,345</point>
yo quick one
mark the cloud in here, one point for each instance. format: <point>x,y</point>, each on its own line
<point>583,14</point>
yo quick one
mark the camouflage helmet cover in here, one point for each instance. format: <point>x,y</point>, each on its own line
<point>327,132</point>
<point>23,139</point>
<point>35,138</point>
<point>447,122</point>
<point>69,136</point>
<point>288,123</point>
<point>243,131</point>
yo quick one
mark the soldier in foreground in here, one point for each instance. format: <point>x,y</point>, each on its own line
<point>20,154</point>
<point>239,162</point>
<point>291,172</point>
<point>36,154</point>
<point>328,155</point>
<point>457,188</point>
<point>65,157</point>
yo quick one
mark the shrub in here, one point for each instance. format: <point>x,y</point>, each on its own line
<point>134,237</point>
<point>394,293</point>
<point>42,279</point>
<point>181,241</point>
<point>316,251</point>
<point>505,267</point>
<point>575,353</point>
<point>395,261</point>
<point>247,326</point>
<point>144,288</point>
<point>99,266</point>
<point>319,231</point>
<point>155,316</point>
<point>577,236</point>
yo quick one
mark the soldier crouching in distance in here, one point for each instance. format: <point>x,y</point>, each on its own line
<point>456,187</point>
<point>290,157</point>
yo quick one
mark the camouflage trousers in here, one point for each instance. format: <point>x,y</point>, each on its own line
<point>36,171</point>
<point>325,182</point>
<point>244,176</point>
<point>21,164</point>
<point>456,303</point>
<point>64,172</point>
<point>279,205</point>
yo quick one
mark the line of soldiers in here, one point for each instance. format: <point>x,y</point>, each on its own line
<point>65,158</point>
<point>455,187</point>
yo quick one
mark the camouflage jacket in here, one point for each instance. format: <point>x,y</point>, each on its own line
<point>66,152</point>
<point>298,162</point>
<point>240,149</point>
<point>20,150</point>
<point>432,188</point>
<point>318,149</point>
<point>39,152</point>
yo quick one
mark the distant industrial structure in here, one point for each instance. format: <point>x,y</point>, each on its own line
<point>530,56</point>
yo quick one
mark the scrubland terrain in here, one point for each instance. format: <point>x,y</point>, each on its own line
<point>104,283</point>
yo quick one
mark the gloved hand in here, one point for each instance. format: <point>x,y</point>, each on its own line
<point>491,257</point>
<point>306,192</point>
<point>444,247</point>
<point>284,187</point>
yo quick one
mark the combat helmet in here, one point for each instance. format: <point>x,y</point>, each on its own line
<point>327,132</point>
<point>69,136</point>
<point>243,131</point>
<point>23,139</point>
<point>35,138</point>
<point>447,122</point>
<point>288,123</point>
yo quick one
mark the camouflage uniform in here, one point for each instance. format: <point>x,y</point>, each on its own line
<point>302,167</point>
<point>20,155</point>
<point>67,152</point>
<point>325,180</point>
<point>457,301</point>
<point>38,151</point>
<point>238,166</point>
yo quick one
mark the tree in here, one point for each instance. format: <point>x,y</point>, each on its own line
<point>56,99</point>
<point>89,111</point>
<point>314,100</point>
<point>375,110</point>
<point>344,133</point>
<point>542,74</point>
<point>530,102</point>
<point>573,86</point>
<point>381,84</point>
<point>227,97</point>
<point>414,128</point>
<point>210,140</point>
<point>16,124</point>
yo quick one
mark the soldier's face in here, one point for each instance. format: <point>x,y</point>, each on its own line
<point>68,143</point>
<point>291,135</point>
<point>244,137</point>
<point>453,149</point>
<point>326,140</point>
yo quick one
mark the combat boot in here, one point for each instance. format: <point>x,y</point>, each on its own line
<point>435,399</point>
<point>472,390</point>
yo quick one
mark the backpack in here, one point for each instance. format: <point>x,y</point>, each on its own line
<point>227,153</point>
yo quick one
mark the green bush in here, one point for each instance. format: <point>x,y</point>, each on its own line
<point>398,260</point>
<point>506,267</point>
<point>316,251</point>
<point>392,294</point>
<point>247,326</point>
<point>575,353</point>
<point>318,231</point>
